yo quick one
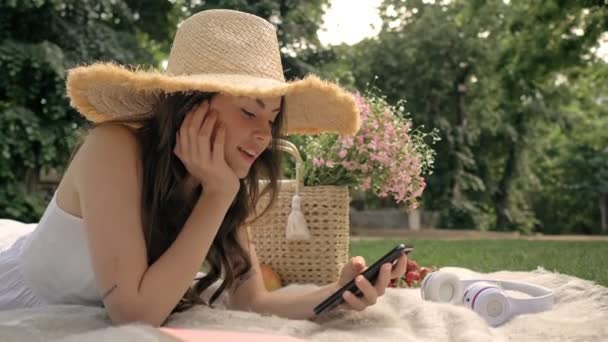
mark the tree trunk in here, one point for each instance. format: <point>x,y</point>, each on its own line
<point>31,179</point>
<point>413,218</point>
<point>604,212</point>
<point>459,143</point>
<point>504,220</point>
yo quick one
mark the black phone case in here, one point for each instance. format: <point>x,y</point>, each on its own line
<point>371,273</point>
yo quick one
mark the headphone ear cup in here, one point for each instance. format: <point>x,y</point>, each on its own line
<point>442,287</point>
<point>424,282</point>
<point>489,301</point>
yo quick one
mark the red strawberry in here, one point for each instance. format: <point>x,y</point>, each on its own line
<point>412,265</point>
<point>412,277</point>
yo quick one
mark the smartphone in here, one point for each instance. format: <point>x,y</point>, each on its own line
<point>371,274</point>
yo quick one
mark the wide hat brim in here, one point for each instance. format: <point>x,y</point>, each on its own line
<point>106,91</point>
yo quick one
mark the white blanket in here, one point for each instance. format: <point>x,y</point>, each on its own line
<point>580,313</point>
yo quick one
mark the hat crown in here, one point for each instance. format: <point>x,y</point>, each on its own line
<point>226,42</point>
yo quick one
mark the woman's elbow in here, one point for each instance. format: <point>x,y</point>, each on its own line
<point>130,315</point>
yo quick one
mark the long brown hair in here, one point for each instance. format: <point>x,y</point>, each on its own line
<point>166,203</point>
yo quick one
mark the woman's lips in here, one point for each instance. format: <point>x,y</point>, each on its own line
<point>246,156</point>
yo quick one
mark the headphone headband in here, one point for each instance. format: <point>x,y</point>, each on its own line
<point>497,306</point>
<point>541,297</point>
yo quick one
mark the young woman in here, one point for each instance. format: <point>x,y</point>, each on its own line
<point>168,177</point>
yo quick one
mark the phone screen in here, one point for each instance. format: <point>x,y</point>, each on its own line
<point>371,273</point>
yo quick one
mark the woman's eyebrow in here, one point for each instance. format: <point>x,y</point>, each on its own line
<point>263,105</point>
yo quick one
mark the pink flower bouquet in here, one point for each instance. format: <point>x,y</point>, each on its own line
<point>386,156</point>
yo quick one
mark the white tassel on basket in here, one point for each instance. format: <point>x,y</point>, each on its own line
<point>297,229</point>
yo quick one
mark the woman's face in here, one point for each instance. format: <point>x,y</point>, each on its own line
<point>248,127</point>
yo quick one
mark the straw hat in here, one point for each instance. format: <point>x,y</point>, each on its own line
<point>216,51</point>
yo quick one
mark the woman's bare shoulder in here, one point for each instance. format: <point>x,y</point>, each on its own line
<point>107,144</point>
<point>111,136</point>
<point>113,145</point>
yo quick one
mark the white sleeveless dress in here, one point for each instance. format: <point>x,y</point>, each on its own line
<point>46,263</point>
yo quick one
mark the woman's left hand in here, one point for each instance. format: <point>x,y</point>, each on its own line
<point>370,292</point>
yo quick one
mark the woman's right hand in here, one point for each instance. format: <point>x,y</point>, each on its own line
<point>200,146</point>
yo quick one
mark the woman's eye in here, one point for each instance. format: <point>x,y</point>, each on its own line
<point>249,114</point>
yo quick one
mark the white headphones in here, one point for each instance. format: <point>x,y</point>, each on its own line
<point>486,297</point>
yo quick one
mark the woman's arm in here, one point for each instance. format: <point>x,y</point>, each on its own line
<point>109,187</point>
<point>293,305</point>
<point>250,294</point>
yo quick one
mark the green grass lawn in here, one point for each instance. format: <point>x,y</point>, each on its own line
<point>587,259</point>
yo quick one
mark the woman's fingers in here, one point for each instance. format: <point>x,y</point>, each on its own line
<point>354,302</point>
<point>184,136</point>
<point>218,145</point>
<point>358,263</point>
<point>370,292</point>
<point>204,135</point>
<point>384,278</point>
<point>360,260</point>
<point>200,114</point>
<point>400,267</point>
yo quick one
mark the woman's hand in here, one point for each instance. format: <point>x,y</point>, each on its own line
<point>200,146</point>
<point>370,291</point>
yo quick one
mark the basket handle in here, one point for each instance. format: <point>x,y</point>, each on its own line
<point>297,228</point>
<point>287,146</point>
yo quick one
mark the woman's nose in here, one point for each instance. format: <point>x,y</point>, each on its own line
<point>263,133</point>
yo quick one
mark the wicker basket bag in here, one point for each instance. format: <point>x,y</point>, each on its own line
<point>321,212</point>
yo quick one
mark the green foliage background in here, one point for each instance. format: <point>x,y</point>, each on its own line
<point>514,89</point>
